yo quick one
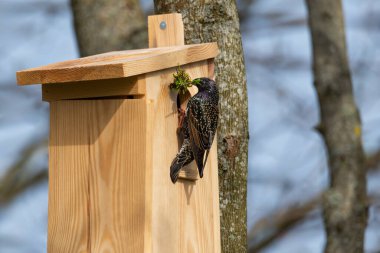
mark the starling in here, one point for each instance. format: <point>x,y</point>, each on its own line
<point>199,127</point>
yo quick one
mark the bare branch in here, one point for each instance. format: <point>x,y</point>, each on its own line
<point>16,179</point>
<point>276,225</point>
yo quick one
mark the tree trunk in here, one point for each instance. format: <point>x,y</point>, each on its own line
<point>208,21</point>
<point>345,211</point>
<point>109,25</point>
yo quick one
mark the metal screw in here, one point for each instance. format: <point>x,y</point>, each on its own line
<point>163,25</point>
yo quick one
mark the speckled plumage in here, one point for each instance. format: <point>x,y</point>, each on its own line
<point>199,128</point>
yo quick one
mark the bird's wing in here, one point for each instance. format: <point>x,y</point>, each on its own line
<point>202,119</point>
<point>184,157</point>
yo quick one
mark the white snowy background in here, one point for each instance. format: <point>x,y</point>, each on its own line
<point>287,161</point>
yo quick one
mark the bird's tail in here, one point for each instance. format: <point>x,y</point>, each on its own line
<point>201,159</point>
<point>184,157</point>
<point>199,156</point>
<point>204,163</point>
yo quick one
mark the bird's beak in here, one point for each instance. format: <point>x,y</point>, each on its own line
<point>196,82</point>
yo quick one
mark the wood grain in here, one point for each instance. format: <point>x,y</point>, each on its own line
<point>118,87</point>
<point>68,218</point>
<point>97,166</point>
<point>172,35</point>
<point>109,159</point>
<point>117,64</point>
<point>185,215</point>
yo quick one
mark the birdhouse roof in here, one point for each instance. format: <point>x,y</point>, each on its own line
<point>117,64</point>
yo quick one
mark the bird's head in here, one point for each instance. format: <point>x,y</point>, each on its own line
<point>203,83</point>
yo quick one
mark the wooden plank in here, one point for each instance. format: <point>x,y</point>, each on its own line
<point>97,176</point>
<point>108,66</point>
<point>189,173</point>
<point>118,87</point>
<point>214,164</point>
<point>109,56</point>
<point>171,35</point>
<point>211,68</point>
<point>185,215</point>
<point>193,222</point>
<point>148,245</point>
<point>117,180</point>
<point>68,219</point>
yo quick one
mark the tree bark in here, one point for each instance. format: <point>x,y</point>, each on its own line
<point>109,25</point>
<point>217,21</point>
<point>345,211</point>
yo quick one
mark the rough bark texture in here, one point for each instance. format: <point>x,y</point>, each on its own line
<point>109,25</point>
<point>208,21</point>
<point>345,211</point>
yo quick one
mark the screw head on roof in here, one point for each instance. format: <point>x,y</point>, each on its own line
<point>163,25</point>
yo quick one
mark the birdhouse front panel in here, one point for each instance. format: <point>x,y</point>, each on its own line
<point>97,175</point>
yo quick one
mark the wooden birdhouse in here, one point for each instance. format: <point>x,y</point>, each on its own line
<point>113,122</point>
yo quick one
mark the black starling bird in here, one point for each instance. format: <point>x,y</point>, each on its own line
<point>199,127</point>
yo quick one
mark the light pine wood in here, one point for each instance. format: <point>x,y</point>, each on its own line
<point>172,35</point>
<point>211,68</point>
<point>117,64</point>
<point>97,169</point>
<point>109,159</point>
<point>68,219</point>
<point>148,245</point>
<point>205,21</point>
<point>186,214</point>
<point>118,87</point>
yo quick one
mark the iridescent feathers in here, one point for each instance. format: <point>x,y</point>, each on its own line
<point>199,127</point>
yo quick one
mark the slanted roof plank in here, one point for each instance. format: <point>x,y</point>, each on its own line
<point>117,64</point>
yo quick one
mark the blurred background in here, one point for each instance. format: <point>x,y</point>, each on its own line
<point>287,159</point>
